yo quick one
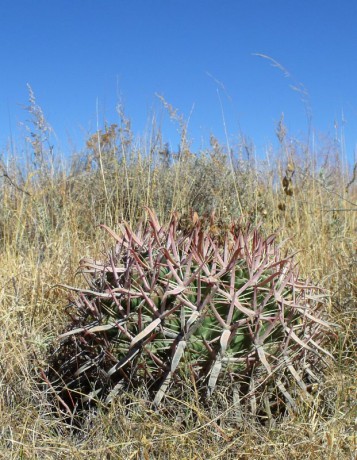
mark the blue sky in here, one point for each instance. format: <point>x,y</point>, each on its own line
<point>82,54</point>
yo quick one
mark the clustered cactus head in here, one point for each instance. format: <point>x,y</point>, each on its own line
<point>172,307</point>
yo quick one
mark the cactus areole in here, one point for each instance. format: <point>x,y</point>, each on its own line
<point>170,308</point>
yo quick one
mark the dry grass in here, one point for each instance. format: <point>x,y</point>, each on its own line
<point>48,221</point>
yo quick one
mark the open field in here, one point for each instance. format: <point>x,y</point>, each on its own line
<point>50,210</point>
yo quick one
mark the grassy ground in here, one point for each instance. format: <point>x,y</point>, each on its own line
<point>49,216</point>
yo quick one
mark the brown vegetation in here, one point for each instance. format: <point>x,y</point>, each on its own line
<point>49,217</point>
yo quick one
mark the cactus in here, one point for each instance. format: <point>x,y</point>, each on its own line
<point>171,306</point>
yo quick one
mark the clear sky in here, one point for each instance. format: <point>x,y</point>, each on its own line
<point>78,55</point>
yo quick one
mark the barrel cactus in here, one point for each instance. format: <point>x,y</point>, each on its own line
<point>171,307</point>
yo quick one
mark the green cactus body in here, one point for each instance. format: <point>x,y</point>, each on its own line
<point>184,304</point>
